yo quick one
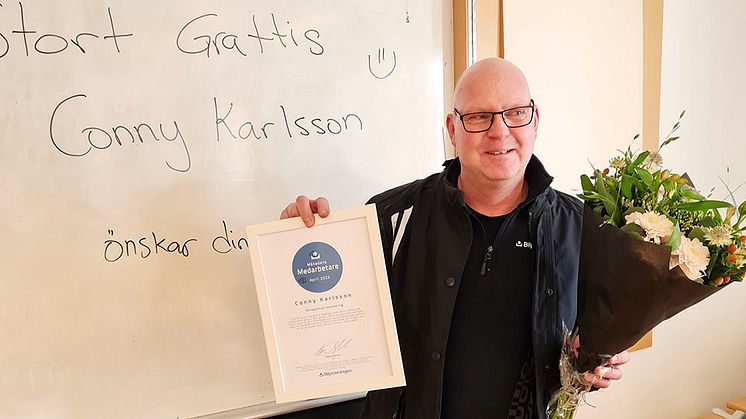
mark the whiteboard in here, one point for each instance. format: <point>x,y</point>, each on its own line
<point>138,138</point>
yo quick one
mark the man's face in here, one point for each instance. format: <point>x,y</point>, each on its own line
<point>500,153</point>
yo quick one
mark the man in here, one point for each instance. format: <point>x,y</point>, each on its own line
<point>482,261</point>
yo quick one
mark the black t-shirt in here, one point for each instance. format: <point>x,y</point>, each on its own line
<point>490,333</point>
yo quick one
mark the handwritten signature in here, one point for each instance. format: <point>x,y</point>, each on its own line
<point>333,347</point>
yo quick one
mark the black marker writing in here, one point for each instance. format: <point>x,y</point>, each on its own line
<point>231,126</point>
<point>143,247</point>
<point>382,68</point>
<point>100,139</point>
<point>258,35</point>
<point>225,243</point>
<point>52,43</point>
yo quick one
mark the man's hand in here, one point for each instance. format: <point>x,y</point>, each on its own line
<point>305,209</point>
<point>603,376</point>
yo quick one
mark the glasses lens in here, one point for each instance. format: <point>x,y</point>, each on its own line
<point>477,121</point>
<point>517,117</point>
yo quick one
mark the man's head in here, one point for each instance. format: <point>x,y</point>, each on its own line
<point>499,154</point>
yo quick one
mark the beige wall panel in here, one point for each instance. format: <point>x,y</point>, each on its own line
<point>583,60</point>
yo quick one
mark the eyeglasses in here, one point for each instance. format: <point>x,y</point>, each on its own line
<point>482,121</point>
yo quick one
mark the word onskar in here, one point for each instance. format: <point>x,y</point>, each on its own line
<point>143,247</point>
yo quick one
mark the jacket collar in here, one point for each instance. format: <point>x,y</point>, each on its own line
<point>536,176</point>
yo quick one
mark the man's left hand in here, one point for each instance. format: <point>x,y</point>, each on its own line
<point>603,376</point>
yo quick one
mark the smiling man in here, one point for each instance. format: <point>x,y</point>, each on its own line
<point>482,261</point>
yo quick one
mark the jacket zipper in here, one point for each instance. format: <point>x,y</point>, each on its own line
<point>488,254</point>
<point>486,260</point>
<point>531,226</point>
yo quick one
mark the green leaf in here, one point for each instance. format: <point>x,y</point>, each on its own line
<point>716,215</point>
<point>640,187</point>
<point>675,241</point>
<point>611,185</point>
<point>585,181</point>
<point>646,177</point>
<point>627,182</point>
<point>691,194</point>
<point>640,158</point>
<point>682,114</point>
<point>708,221</point>
<point>633,209</point>
<point>703,205</point>
<point>610,203</point>
<point>634,231</point>
<point>669,140</point>
<point>697,233</point>
<point>714,257</point>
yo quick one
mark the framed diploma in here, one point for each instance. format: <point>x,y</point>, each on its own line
<point>325,305</point>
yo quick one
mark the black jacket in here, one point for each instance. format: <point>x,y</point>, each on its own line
<point>426,236</point>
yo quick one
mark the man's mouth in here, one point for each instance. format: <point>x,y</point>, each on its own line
<point>499,152</point>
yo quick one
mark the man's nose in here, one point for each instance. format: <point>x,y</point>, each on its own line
<point>498,128</point>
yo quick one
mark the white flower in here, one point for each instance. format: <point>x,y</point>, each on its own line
<point>653,162</point>
<point>720,235</point>
<point>657,228</point>
<point>692,257</point>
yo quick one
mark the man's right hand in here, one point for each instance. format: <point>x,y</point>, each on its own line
<point>305,209</point>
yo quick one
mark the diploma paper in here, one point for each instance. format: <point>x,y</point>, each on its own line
<point>325,305</point>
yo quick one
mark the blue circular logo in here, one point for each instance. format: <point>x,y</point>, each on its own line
<point>317,267</point>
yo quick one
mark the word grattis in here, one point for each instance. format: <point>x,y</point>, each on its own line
<point>52,43</point>
<point>194,38</point>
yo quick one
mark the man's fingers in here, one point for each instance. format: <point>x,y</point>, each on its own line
<point>609,373</point>
<point>620,359</point>
<point>602,377</point>
<point>306,208</point>
<point>596,381</point>
<point>303,206</point>
<point>289,212</point>
<point>321,206</point>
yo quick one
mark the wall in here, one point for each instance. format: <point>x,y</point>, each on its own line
<point>584,62</point>
<point>584,65</point>
<point>697,360</point>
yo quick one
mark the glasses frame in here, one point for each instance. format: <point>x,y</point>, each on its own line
<point>502,116</point>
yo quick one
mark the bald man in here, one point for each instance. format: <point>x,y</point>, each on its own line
<point>482,261</point>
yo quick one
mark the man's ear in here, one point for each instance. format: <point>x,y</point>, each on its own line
<point>451,128</point>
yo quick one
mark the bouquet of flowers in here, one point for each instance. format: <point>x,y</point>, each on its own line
<point>652,245</point>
